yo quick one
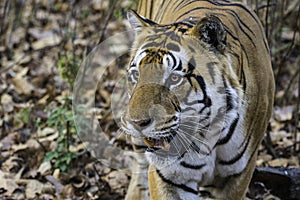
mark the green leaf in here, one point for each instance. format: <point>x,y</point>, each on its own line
<point>51,155</point>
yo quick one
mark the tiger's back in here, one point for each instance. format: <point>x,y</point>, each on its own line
<point>239,62</point>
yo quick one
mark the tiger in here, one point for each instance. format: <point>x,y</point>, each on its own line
<point>200,88</point>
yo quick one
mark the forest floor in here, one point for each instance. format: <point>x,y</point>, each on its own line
<point>42,46</point>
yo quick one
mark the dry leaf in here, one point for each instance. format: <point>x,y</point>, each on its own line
<point>7,103</point>
<point>37,33</point>
<point>33,188</point>
<point>78,148</point>
<point>8,141</point>
<point>278,136</point>
<point>117,180</point>
<point>45,168</point>
<point>8,184</point>
<point>49,41</point>
<point>100,5</point>
<point>279,162</point>
<point>45,132</point>
<point>19,147</point>
<point>22,85</point>
<point>284,113</point>
<point>49,138</point>
<point>56,174</point>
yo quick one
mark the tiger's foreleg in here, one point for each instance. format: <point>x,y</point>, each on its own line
<point>161,189</point>
<point>138,186</point>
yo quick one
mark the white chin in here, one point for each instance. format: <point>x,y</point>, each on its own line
<point>161,158</point>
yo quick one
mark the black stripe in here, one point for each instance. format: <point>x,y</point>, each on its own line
<point>237,174</point>
<point>188,3</point>
<point>151,9</point>
<point>161,12</point>
<point>189,24</point>
<point>187,12</point>
<point>203,101</point>
<point>146,10</point>
<point>196,148</point>
<point>229,133</point>
<point>176,107</point>
<point>266,45</point>
<point>152,23</point>
<point>237,39</point>
<point>174,60</point>
<point>139,148</point>
<point>253,17</point>
<point>167,128</point>
<point>243,78</point>
<point>191,65</point>
<point>196,167</point>
<point>174,118</point>
<point>181,186</point>
<point>229,98</point>
<point>231,13</point>
<point>235,14</point>
<point>205,118</point>
<point>202,109</point>
<point>241,28</point>
<point>206,100</point>
<point>201,83</point>
<point>239,6</point>
<point>178,6</point>
<point>238,156</point>
<point>179,67</point>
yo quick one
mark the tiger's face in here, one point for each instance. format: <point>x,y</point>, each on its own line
<point>170,104</point>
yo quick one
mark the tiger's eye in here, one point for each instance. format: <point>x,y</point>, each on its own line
<point>135,74</point>
<point>175,78</point>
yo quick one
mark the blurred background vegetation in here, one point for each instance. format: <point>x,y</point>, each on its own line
<point>42,44</point>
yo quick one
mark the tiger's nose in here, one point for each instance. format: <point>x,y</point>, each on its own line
<point>141,123</point>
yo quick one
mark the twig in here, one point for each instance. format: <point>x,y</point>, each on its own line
<point>288,52</point>
<point>73,14</point>
<point>297,147</point>
<point>263,6</point>
<point>266,19</point>
<point>286,92</point>
<point>5,13</point>
<point>268,143</point>
<point>106,20</point>
<point>12,64</point>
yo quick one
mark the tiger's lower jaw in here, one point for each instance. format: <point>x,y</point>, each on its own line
<point>160,143</point>
<point>155,144</point>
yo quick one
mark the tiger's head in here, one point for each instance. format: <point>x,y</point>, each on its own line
<point>177,89</point>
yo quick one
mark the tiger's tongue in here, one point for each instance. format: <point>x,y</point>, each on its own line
<point>158,143</point>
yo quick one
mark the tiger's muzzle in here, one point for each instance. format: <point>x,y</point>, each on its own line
<point>153,114</point>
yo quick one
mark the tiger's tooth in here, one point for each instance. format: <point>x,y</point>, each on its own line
<point>166,145</point>
<point>149,142</point>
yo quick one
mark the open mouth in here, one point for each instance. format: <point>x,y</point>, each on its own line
<point>162,142</point>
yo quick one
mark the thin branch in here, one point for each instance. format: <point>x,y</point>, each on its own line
<point>291,47</point>
<point>297,147</point>
<point>266,20</point>
<point>286,92</point>
<point>5,13</point>
<point>268,143</point>
<point>106,20</point>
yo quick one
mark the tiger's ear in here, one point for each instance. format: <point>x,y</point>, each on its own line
<point>138,22</point>
<point>211,30</point>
